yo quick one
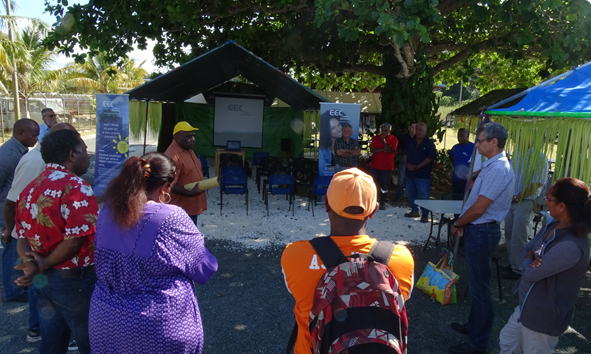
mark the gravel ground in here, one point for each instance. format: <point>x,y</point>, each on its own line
<point>246,308</point>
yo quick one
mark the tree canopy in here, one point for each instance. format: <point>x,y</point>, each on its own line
<point>346,38</point>
<point>401,45</point>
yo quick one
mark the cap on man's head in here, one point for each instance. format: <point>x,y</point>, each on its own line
<point>183,127</point>
<point>352,188</point>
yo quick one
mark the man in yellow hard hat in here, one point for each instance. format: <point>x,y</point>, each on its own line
<point>188,170</point>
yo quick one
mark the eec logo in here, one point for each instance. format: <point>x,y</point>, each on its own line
<point>235,107</point>
<point>337,112</point>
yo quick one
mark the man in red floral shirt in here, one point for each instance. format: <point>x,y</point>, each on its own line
<point>56,222</point>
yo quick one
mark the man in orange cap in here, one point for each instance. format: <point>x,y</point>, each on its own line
<point>350,201</point>
<point>188,170</point>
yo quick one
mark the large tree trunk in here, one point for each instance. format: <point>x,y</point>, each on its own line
<point>409,100</point>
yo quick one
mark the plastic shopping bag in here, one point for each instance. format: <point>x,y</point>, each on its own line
<point>438,280</point>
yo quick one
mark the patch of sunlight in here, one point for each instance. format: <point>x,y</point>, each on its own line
<point>17,310</point>
<point>6,338</point>
<point>570,330</point>
<point>27,350</point>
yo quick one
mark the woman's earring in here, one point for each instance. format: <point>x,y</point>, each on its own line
<point>167,200</point>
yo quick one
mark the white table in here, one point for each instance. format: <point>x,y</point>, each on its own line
<point>441,207</point>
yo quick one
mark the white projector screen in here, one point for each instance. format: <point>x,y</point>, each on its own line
<point>238,119</point>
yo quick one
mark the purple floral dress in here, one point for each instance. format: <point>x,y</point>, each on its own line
<point>144,301</point>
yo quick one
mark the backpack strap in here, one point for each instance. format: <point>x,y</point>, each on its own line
<point>330,255</point>
<point>328,251</point>
<point>382,251</point>
<point>292,339</point>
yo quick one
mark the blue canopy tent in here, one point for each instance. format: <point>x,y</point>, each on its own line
<point>569,97</point>
<point>566,99</point>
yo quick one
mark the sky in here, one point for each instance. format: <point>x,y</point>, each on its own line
<point>36,8</point>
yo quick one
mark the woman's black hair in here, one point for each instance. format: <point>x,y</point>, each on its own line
<point>574,193</point>
<point>325,137</point>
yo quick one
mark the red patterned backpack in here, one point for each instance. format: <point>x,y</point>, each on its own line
<point>358,306</point>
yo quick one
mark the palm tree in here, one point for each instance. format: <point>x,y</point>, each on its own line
<point>32,61</point>
<point>97,75</point>
<point>24,59</point>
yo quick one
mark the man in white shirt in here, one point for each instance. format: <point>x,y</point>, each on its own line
<point>29,167</point>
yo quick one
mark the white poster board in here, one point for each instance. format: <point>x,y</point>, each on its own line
<point>238,119</point>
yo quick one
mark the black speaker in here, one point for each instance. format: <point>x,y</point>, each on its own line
<point>286,145</point>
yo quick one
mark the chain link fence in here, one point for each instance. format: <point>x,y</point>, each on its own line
<point>76,109</point>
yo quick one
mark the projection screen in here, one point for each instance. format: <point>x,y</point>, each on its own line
<point>238,119</point>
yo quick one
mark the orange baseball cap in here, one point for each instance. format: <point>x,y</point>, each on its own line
<point>183,127</point>
<point>352,188</point>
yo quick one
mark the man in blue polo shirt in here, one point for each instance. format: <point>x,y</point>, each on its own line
<point>418,159</point>
<point>460,157</point>
<point>479,225</point>
<point>403,141</point>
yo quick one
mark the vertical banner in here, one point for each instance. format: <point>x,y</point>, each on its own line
<point>333,116</point>
<point>112,138</point>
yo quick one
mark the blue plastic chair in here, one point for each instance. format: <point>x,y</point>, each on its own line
<point>280,185</point>
<point>204,166</point>
<point>257,158</point>
<point>257,161</point>
<point>320,187</point>
<point>233,170</point>
<point>233,183</point>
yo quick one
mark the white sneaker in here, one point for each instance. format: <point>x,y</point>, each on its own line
<point>72,346</point>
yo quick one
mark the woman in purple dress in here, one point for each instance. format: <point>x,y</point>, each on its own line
<point>148,254</point>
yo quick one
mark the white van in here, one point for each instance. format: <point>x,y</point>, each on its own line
<point>36,104</point>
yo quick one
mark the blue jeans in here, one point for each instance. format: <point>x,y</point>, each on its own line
<point>418,188</point>
<point>10,259</point>
<point>382,179</point>
<point>194,218</point>
<point>9,274</point>
<point>401,179</point>
<point>480,241</point>
<point>64,303</point>
<point>33,311</point>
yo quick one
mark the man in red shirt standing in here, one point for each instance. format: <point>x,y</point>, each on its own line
<point>382,148</point>
<point>188,170</point>
<point>56,221</point>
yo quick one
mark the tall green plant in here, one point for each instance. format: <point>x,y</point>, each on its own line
<point>32,62</point>
<point>99,75</point>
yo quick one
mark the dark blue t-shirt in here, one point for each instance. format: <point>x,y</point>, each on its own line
<point>417,153</point>
<point>461,155</point>
<point>404,140</point>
